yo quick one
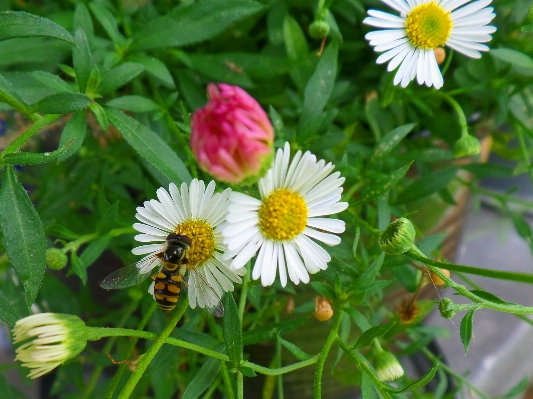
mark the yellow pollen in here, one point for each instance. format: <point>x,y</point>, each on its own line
<point>202,241</point>
<point>283,215</point>
<point>428,26</point>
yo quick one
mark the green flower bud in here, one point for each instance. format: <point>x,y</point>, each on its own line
<point>56,259</point>
<point>465,146</point>
<point>319,29</point>
<point>387,366</point>
<point>398,238</point>
<point>447,308</point>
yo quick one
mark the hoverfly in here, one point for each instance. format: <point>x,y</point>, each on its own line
<point>167,285</point>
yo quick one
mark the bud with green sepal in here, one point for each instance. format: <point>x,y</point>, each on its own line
<point>387,367</point>
<point>398,237</point>
<point>56,259</point>
<point>466,145</point>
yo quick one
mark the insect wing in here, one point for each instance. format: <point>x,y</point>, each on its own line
<point>206,291</point>
<point>132,274</point>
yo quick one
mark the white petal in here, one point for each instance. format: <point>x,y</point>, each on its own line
<point>398,5</point>
<point>168,205</point>
<point>401,57</point>
<point>434,76</point>
<point>410,69</point>
<point>239,217</point>
<point>377,37</point>
<point>246,253</point>
<point>327,209</point>
<point>281,264</point>
<point>233,229</point>
<point>404,48</point>
<point>243,199</point>
<point>384,23</point>
<point>391,45</point>
<point>143,228</point>
<point>257,270</point>
<point>147,249</point>
<point>331,225</point>
<point>268,271</point>
<point>176,198</point>
<point>469,9</point>
<point>149,238</point>
<point>153,219</point>
<point>297,271</point>
<point>329,239</point>
<point>206,200</point>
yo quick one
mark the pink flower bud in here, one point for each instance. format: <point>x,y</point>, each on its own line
<point>232,136</point>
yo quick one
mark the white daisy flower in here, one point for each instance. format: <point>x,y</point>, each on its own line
<point>196,213</point>
<point>409,40</point>
<point>280,225</point>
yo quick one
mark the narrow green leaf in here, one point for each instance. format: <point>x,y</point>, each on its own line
<point>356,241</point>
<point>74,133</point>
<point>320,85</point>
<point>62,103</point>
<point>31,158</point>
<point>119,76</point>
<point>390,140</point>
<point>192,23</point>
<point>9,95</point>
<point>150,146</point>
<point>93,251</point>
<point>100,115</point>
<point>297,51</point>
<point>82,60</point>
<point>323,289</point>
<point>23,234</point>
<point>52,81</point>
<point>247,372</point>
<point>487,296</point>
<point>367,387</point>
<point>513,57</point>
<point>232,331</point>
<point>77,268</point>
<point>368,336</point>
<point>83,20</point>
<point>297,352</point>
<point>358,319</point>
<point>518,389</point>
<point>383,185</point>
<point>108,22</point>
<point>465,330</point>
<point>8,312</point>
<point>369,275</point>
<point>203,379</point>
<point>60,231</point>
<point>422,381</point>
<point>134,103</point>
<point>22,24</point>
<point>107,221</point>
<point>426,185</point>
<point>156,69</point>
<point>268,332</point>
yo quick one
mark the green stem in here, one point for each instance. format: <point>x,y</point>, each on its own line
<point>240,385</point>
<point>227,381</point>
<point>523,149</point>
<point>435,266</point>
<point>324,354</point>
<point>74,245</point>
<point>244,292</point>
<point>448,62</point>
<point>41,122</point>
<point>7,98</point>
<point>146,359</point>
<point>458,110</point>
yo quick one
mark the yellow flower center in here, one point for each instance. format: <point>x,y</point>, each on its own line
<point>202,241</point>
<point>283,215</point>
<point>428,25</point>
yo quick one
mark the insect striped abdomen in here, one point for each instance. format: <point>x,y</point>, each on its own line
<point>167,289</point>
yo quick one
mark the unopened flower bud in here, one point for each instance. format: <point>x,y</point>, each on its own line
<point>437,280</point>
<point>323,310</point>
<point>388,368</point>
<point>52,339</point>
<point>440,55</point>
<point>319,29</point>
<point>465,146</point>
<point>447,308</point>
<point>232,137</point>
<point>56,259</point>
<point>289,306</point>
<point>398,237</point>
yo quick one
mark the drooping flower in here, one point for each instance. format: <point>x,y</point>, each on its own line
<point>387,366</point>
<point>294,194</point>
<point>409,40</point>
<point>196,213</point>
<point>232,136</point>
<point>53,339</point>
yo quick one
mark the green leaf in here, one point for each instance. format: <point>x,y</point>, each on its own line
<point>9,96</point>
<point>22,24</point>
<point>23,234</point>
<point>323,289</point>
<point>82,60</point>
<point>369,275</point>
<point>513,57</point>
<point>465,330</point>
<point>390,140</point>
<point>30,158</point>
<point>368,336</point>
<point>52,81</point>
<point>202,379</point>
<point>100,115</point>
<point>270,331</point>
<point>78,268</point>
<point>426,185</point>
<point>119,76</point>
<point>192,23</point>
<point>156,69</point>
<point>232,331</point>
<point>150,146</point>
<point>134,103</point>
<point>82,19</point>
<point>106,223</point>
<point>247,372</point>
<point>320,85</point>
<point>383,185</point>
<point>93,251</point>
<point>8,313</point>
<point>74,133</point>
<point>358,318</point>
<point>297,50</point>
<point>487,296</point>
<point>367,387</point>
<point>297,352</point>
<point>422,381</point>
<point>108,22</point>
<point>356,241</point>
<point>62,103</point>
